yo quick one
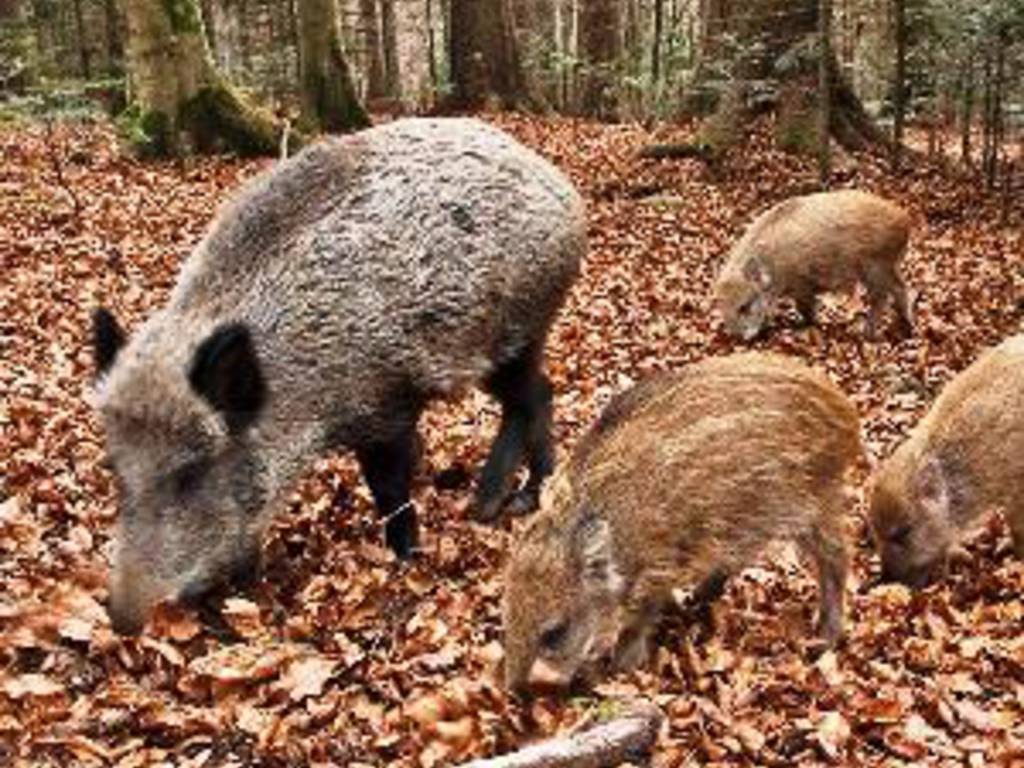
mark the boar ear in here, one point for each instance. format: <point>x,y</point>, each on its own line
<point>226,373</point>
<point>107,339</point>
<point>594,542</point>
<point>756,271</point>
<point>933,490</point>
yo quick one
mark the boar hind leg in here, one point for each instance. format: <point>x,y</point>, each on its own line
<point>702,601</point>
<point>388,468</point>
<point>525,433</point>
<point>824,544</point>
<point>902,305</point>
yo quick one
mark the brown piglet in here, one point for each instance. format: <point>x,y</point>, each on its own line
<point>683,481</point>
<point>966,457</point>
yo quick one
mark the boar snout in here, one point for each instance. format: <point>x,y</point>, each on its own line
<point>132,593</point>
<point>915,576</point>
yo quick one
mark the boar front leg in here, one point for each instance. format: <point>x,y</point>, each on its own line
<point>1015,519</point>
<point>388,468</point>
<point>525,396</point>
<point>807,305</point>
<point>824,544</point>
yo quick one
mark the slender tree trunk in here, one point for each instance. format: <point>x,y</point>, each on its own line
<point>84,54</point>
<point>392,71</point>
<point>967,110</point>
<point>112,30</point>
<point>329,101</point>
<point>369,23</point>
<point>900,86</point>
<point>601,46</point>
<point>484,62</point>
<point>178,89</point>
<point>659,21</point>
<point>824,92</point>
<point>431,47</point>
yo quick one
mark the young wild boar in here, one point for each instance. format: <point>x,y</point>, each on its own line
<point>966,457</point>
<point>682,481</point>
<point>326,305</point>
<point>813,244</point>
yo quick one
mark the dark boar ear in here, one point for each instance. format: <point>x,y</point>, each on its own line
<point>107,339</point>
<point>594,542</point>
<point>226,373</point>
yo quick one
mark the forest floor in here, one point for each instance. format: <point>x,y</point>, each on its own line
<point>341,656</point>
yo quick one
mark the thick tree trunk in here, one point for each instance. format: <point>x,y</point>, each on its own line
<point>484,62</point>
<point>659,23</point>
<point>601,48</point>
<point>777,43</point>
<point>369,23</point>
<point>178,90</point>
<point>329,101</point>
<point>900,86</point>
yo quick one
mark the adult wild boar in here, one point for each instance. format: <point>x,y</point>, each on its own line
<point>965,458</point>
<point>818,243</point>
<point>682,481</point>
<point>327,304</point>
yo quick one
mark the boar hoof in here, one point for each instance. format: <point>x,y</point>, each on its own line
<point>402,535</point>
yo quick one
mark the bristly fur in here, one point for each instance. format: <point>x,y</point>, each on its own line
<point>370,273</point>
<point>694,473</point>
<point>819,243</point>
<point>966,457</point>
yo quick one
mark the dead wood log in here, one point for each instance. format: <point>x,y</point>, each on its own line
<point>627,738</point>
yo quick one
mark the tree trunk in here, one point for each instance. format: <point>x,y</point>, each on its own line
<point>329,101</point>
<point>825,55</point>
<point>178,90</point>
<point>392,71</point>
<point>601,48</point>
<point>373,66</point>
<point>900,86</point>
<point>484,62</point>
<point>775,42</point>
<point>967,110</point>
<point>84,53</point>
<point>659,23</point>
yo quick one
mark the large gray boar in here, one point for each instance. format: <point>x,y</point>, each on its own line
<point>683,481</point>
<point>965,458</point>
<point>818,243</point>
<point>331,300</point>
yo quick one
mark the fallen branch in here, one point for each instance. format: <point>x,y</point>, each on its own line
<point>627,738</point>
<point>676,151</point>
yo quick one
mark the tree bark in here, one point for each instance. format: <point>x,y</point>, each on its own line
<point>601,48</point>
<point>373,66</point>
<point>775,41</point>
<point>659,23</point>
<point>392,70</point>
<point>625,739</point>
<point>179,93</point>
<point>900,86</point>
<point>328,94</point>
<point>484,62</point>
<point>825,55</point>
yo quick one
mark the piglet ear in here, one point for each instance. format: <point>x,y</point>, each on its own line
<point>107,339</point>
<point>226,373</point>
<point>756,271</point>
<point>594,543</point>
<point>933,490</point>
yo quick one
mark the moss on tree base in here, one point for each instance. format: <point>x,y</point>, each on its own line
<point>217,119</point>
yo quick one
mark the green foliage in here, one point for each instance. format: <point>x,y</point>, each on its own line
<point>147,133</point>
<point>183,16</point>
